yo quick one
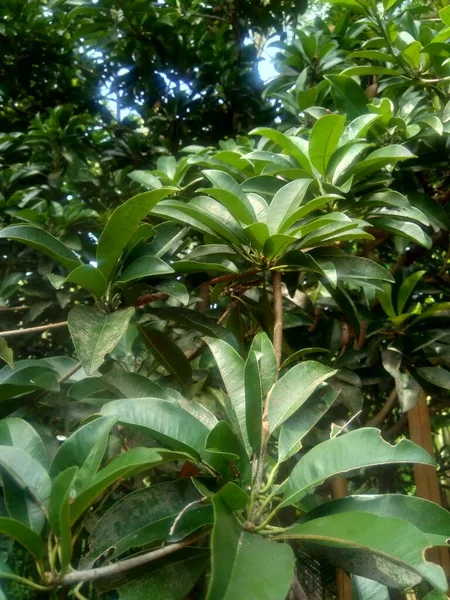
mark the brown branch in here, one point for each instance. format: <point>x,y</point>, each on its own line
<point>33,329</point>
<point>127,564</point>
<point>278,316</point>
<point>143,300</point>
<point>230,277</point>
<point>69,374</point>
<point>13,308</point>
<point>379,418</point>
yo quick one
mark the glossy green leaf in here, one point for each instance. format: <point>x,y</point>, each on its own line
<point>41,240</point>
<point>287,143</point>
<point>84,449</point>
<point>324,139</point>
<point>174,289</point>
<point>405,229</point>
<point>24,535</point>
<point>348,96</point>
<point>151,513</point>
<point>90,278</point>
<point>407,288</point>
<point>365,70</point>
<point>175,210</point>
<point>358,128</point>
<point>436,375</point>
<point>58,513</point>
<point>123,466</point>
<point>143,267</point>
<point>263,347</point>
<point>231,367</point>
<point>303,420</point>
<point>229,193</point>
<point>245,565</point>
<point>166,421</point>
<point>337,456</point>
<point>167,353</point>
<point>24,380</point>
<point>223,448</point>
<point>20,434</point>
<point>368,589</point>
<point>287,396</point>
<point>254,401</point>
<point>350,268</point>
<point>285,202</point>
<point>234,496</point>
<point>430,518</point>
<point>376,160</point>
<point>26,486</point>
<point>95,333</point>
<point>121,226</point>
<point>394,541</point>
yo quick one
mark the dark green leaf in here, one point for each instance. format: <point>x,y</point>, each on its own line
<point>90,278</point>
<point>285,203</point>
<point>143,267</point>
<point>436,375</point>
<point>254,400</point>
<point>348,96</point>
<point>24,535</point>
<point>58,513</point>
<point>20,434</point>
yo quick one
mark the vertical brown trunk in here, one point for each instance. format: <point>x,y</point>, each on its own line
<point>343,581</point>
<point>427,483</point>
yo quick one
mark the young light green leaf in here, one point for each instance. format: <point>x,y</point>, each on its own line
<point>287,396</point>
<point>245,565</point>
<point>95,333</point>
<point>407,288</point>
<point>90,278</point>
<point>122,224</point>
<point>285,202</point>
<point>41,240</point>
<point>324,138</point>
<point>337,456</point>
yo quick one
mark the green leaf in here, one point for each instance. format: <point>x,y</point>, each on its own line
<point>337,456</point>
<point>324,139</point>
<point>41,240</point>
<point>20,434</point>
<point>287,396</point>
<point>285,202</point>
<point>190,319</point>
<point>130,385</point>
<point>277,244</point>
<point>245,565</point>
<point>173,580</point>
<point>222,449</point>
<point>303,420</point>
<point>167,353</point>
<point>146,179</point>
<point>444,13</point>
<point>348,96</point>
<point>145,266</point>
<point>254,401</point>
<point>395,542</point>
<point>95,333</point>
<point>180,212</point>
<point>365,70</point>
<point>151,513</point>
<point>231,367</point>
<point>26,486</point>
<point>122,224</point>
<point>229,193</point>
<point>84,449</point>
<point>430,518</point>
<point>301,353</point>
<point>258,234</point>
<point>435,596</point>
<point>122,466</point>
<point>376,160</point>
<point>58,513</point>
<point>234,496</point>
<point>167,422</point>
<point>287,143</point>
<point>90,278</point>
<point>436,375</point>
<point>359,127</point>
<point>24,380</point>
<point>350,268</point>
<point>25,536</point>
<point>174,289</point>
<point>6,353</point>
<point>405,229</point>
<point>263,348</point>
<point>407,288</point>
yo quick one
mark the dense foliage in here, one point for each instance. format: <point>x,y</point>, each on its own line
<point>215,292</point>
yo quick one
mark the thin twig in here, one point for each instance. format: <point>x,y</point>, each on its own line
<point>33,329</point>
<point>69,374</point>
<point>150,298</point>
<point>127,564</point>
<point>14,308</point>
<point>378,419</point>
